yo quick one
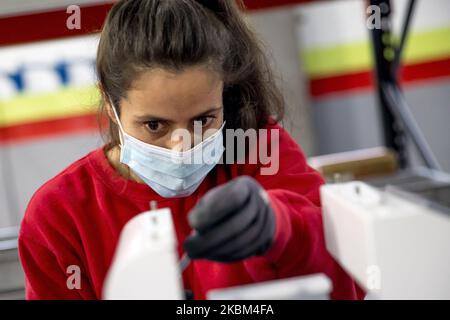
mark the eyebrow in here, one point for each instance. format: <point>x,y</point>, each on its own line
<point>149,117</point>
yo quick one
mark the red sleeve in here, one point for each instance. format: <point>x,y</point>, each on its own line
<point>299,245</point>
<point>49,254</point>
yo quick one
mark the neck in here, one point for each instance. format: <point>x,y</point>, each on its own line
<point>113,156</point>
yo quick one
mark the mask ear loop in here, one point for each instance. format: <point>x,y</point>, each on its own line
<point>121,133</point>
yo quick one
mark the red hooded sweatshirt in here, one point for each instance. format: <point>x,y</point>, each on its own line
<point>76,219</point>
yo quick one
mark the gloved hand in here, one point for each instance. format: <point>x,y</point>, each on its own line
<point>231,222</point>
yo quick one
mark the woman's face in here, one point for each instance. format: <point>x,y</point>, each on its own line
<point>160,102</point>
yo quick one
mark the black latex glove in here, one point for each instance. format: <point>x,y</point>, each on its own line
<point>231,222</point>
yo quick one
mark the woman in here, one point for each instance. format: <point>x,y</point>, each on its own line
<point>163,66</point>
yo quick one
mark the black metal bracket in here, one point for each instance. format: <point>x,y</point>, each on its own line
<point>397,119</point>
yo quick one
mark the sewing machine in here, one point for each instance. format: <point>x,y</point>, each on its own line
<point>145,265</point>
<point>395,244</point>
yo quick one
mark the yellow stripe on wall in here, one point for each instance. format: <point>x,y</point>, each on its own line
<point>64,103</point>
<point>354,57</point>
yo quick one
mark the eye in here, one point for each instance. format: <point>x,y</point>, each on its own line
<point>153,126</point>
<point>205,120</point>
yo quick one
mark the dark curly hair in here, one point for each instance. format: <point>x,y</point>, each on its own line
<point>175,34</point>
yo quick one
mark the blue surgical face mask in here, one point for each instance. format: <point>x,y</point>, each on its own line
<point>170,173</point>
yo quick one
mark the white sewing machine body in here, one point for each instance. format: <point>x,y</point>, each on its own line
<point>394,247</point>
<point>309,287</point>
<point>145,265</point>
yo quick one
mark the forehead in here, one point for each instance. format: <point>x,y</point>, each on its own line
<point>170,95</point>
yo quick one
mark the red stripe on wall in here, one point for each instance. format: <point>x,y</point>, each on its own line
<point>43,129</point>
<point>52,24</point>
<point>265,4</point>
<point>427,70</point>
<point>365,80</point>
<point>342,83</point>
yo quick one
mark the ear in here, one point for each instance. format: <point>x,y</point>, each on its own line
<point>110,112</point>
<point>108,108</point>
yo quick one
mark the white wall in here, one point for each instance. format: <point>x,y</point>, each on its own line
<point>277,29</point>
